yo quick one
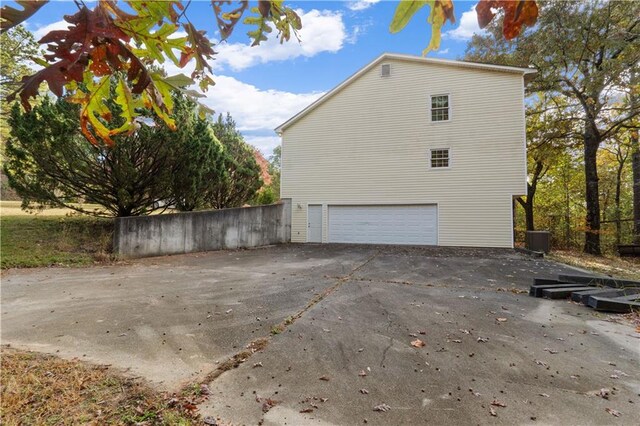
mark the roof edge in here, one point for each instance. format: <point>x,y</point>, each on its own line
<point>527,73</point>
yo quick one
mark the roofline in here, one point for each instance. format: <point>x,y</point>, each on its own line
<point>527,73</point>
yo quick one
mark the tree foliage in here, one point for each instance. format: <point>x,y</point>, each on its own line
<point>17,46</point>
<point>240,178</point>
<point>49,162</point>
<point>516,15</point>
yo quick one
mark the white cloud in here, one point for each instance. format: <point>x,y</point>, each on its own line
<point>255,109</point>
<point>358,5</point>
<point>467,28</point>
<point>443,51</point>
<point>322,31</point>
<point>40,32</point>
<point>264,143</point>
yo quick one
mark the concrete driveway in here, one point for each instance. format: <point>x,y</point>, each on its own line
<point>335,325</point>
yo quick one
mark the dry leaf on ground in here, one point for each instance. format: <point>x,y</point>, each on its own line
<point>613,412</point>
<point>381,407</point>
<point>417,343</point>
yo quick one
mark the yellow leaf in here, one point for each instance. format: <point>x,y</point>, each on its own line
<point>405,11</point>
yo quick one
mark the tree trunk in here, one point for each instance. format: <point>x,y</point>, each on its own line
<point>635,167</point>
<point>618,218</point>
<point>592,233</point>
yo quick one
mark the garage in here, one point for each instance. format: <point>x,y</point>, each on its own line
<point>384,224</point>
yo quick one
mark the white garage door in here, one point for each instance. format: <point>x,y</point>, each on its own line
<point>397,224</point>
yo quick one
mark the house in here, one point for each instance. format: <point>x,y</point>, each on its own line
<point>409,150</point>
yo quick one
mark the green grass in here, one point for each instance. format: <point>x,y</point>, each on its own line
<point>28,241</point>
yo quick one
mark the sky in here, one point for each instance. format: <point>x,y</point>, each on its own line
<point>264,86</point>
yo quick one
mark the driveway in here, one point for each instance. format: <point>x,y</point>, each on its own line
<point>335,324</point>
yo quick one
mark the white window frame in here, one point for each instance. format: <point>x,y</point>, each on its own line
<point>450,107</point>
<point>440,149</point>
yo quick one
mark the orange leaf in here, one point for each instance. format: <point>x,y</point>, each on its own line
<point>517,14</point>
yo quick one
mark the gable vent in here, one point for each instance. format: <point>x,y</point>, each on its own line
<point>385,70</point>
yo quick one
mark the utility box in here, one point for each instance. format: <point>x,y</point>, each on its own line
<point>538,241</point>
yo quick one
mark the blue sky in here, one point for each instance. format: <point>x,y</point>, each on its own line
<point>263,86</point>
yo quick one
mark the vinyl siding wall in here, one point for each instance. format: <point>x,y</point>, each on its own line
<point>370,144</point>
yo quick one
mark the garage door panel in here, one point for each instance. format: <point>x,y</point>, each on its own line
<point>378,224</point>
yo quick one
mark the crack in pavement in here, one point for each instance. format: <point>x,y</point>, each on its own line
<point>260,343</point>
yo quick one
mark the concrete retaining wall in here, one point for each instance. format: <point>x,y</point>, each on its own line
<point>202,231</point>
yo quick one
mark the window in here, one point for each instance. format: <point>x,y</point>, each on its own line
<point>440,108</point>
<point>439,158</point>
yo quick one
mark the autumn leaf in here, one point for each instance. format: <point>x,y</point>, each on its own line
<point>10,16</point>
<point>382,407</point>
<point>517,14</point>
<point>613,412</point>
<point>441,11</point>
<point>417,343</point>
<point>405,11</point>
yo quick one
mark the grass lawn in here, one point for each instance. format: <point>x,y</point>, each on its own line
<point>42,389</point>
<point>31,241</point>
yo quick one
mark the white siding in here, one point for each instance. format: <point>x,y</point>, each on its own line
<point>370,144</point>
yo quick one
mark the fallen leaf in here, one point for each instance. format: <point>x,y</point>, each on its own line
<point>551,351</point>
<point>614,376</point>
<point>228,311</point>
<point>493,412</point>
<point>307,410</point>
<point>381,407</point>
<point>417,343</point>
<point>257,364</point>
<point>498,403</point>
<point>457,341</point>
<point>324,378</point>
<point>362,373</point>
<point>364,391</point>
<point>501,319</point>
<point>483,339</point>
<point>612,412</point>
<point>544,394</point>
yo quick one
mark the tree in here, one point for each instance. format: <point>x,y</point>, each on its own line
<point>591,51</point>
<point>199,158</point>
<point>547,134</point>
<point>50,163</point>
<point>18,45</point>
<point>241,174</point>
